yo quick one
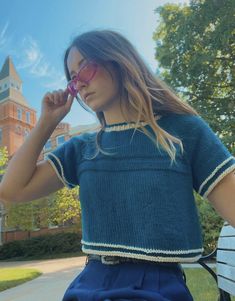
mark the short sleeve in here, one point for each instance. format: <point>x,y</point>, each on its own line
<point>211,161</point>
<point>64,160</point>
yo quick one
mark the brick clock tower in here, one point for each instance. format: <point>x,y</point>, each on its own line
<point>16,117</point>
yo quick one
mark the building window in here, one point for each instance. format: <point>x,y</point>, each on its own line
<point>26,132</point>
<point>28,117</point>
<point>60,139</point>
<point>19,114</point>
<point>0,136</point>
<point>47,145</point>
<point>5,86</point>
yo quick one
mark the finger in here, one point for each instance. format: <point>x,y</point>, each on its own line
<point>60,96</point>
<point>64,95</point>
<point>56,97</point>
<point>49,97</point>
<point>68,96</point>
<point>69,101</point>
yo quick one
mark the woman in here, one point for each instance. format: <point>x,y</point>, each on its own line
<point>136,173</point>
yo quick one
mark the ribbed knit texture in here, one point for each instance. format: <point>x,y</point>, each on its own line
<point>135,203</point>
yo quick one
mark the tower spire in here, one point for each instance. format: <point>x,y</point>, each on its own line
<point>8,70</point>
<point>11,83</point>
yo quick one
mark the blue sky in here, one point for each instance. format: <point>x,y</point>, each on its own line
<point>36,33</point>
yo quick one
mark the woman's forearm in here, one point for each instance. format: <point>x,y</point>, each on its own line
<point>22,165</point>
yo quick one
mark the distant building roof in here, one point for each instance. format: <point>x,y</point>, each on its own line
<point>8,69</point>
<point>12,92</point>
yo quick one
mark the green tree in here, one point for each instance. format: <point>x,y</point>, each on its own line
<point>20,216</point>
<point>195,49</point>
<point>65,207</point>
<point>211,223</point>
<point>3,159</point>
<point>41,212</point>
<point>59,208</point>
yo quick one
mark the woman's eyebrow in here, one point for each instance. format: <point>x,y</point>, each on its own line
<point>79,64</point>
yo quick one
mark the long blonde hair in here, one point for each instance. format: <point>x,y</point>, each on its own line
<point>147,95</point>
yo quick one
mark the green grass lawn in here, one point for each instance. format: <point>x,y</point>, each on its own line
<point>10,277</point>
<point>202,285</point>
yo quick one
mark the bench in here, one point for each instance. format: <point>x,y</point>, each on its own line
<point>225,263</point>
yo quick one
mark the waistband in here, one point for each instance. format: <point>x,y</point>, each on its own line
<point>117,259</point>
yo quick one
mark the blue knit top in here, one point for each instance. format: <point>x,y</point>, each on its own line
<point>134,203</point>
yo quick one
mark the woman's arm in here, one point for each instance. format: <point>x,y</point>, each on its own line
<point>222,198</point>
<point>23,167</point>
<point>24,178</point>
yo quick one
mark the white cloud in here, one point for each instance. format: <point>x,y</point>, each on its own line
<point>34,60</point>
<point>57,82</point>
<point>3,35</point>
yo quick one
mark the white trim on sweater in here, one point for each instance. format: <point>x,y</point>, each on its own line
<point>128,125</point>
<point>142,249</point>
<point>218,179</point>
<point>62,178</point>
<point>142,256</point>
<point>211,187</point>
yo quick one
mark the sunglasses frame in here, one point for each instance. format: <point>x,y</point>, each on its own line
<point>77,78</point>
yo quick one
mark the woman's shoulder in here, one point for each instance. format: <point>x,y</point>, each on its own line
<point>77,142</point>
<point>182,121</point>
<point>84,136</point>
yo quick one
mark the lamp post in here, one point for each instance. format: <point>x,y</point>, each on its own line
<point>2,216</point>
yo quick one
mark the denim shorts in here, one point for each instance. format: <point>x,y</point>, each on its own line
<point>129,281</point>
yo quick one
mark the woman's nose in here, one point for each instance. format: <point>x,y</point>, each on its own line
<point>80,85</point>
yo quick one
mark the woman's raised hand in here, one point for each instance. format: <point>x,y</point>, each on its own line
<point>55,106</point>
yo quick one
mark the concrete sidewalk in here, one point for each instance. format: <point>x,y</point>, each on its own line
<point>57,275</point>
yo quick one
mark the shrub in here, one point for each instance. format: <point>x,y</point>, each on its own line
<point>211,224</point>
<point>41,245</point>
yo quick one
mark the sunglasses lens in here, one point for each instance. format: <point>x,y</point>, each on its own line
<point>87,73</point>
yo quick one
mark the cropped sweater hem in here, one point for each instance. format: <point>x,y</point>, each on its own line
<point>142,256</point>
<point>188,255</point>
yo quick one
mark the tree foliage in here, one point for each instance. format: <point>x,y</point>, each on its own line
<point>211,224</point>
<point>3,159</point>
<point>195,49</point>
<point>65,207</point>
<point>57,209</point>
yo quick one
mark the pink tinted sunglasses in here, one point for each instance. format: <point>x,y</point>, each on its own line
<point>85,75</point>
